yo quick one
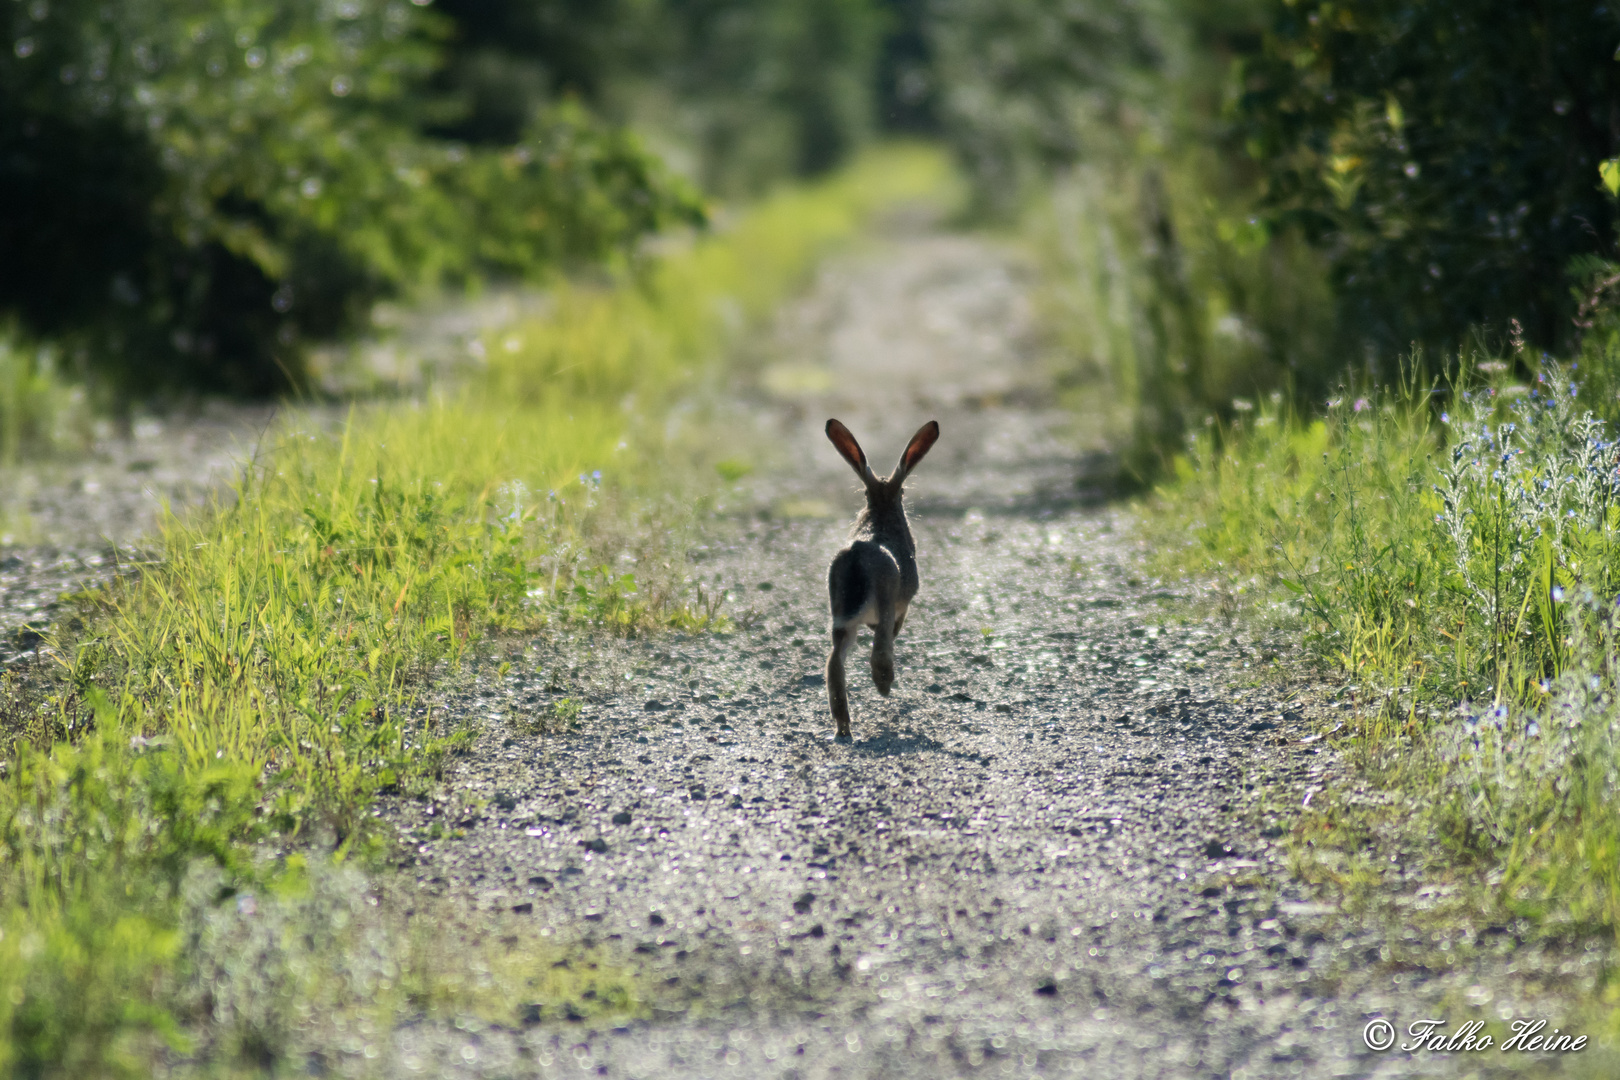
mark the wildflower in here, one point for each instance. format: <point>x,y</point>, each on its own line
<point>1558,594</point>
<point>1361,403</point>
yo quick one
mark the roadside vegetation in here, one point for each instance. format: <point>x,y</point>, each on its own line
<point>1346,271</point>
<point>231,710</point>
<point>1438,519</point>
<point>1449,556</point>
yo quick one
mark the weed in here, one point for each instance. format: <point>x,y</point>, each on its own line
<point>38,410</point>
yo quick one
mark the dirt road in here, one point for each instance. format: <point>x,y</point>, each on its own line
<point>1046,854</point>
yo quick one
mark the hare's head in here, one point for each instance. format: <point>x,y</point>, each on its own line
<point>882,492</point>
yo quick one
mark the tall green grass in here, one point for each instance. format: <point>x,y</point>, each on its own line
<point>1454,552</point>
<point>1162,285</point>
<point>260,682</point>
<point>39,410</point>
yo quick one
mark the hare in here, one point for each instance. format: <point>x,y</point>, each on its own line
<point>871,582</point>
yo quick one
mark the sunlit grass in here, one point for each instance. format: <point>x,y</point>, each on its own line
<point>39,410</point>
<point>1450,555</point>
<point>261,681</point>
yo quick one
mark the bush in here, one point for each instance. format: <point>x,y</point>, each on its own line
<point>1446,156</point>
<point>200,188</point>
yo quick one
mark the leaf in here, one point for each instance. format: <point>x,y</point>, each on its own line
<point>733,469</point>
<point>1609,171</point>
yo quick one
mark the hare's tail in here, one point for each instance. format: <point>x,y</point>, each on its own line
<point>849,587</point>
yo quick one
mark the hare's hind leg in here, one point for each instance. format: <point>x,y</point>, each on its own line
<point>883,632</point>
<point>837,693</point>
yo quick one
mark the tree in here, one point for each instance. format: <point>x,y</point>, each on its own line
<point>1446,156</point>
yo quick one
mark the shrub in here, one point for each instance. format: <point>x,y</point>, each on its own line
<point>1445,154</point>
<point>200,187</point>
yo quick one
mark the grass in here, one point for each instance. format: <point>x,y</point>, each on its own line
<point>1161,284</point>
<point>1451,552</point>
<point>39,410</point>
<point>242,699</point>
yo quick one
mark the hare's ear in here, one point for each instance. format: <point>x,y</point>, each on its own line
<point>919,445</point>
<point>846,445</point>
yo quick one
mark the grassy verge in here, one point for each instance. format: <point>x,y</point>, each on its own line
<point>39,411</point>
<point>1162,285</point>
<point>1453,553</point>
<point>246,696</point>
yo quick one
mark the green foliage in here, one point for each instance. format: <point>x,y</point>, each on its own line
<point>1163,281</point>
<point>201,186</point>
<point>1446,155</point>
<point>508,60</point>
<point>1016,81</point>
<point>38,409</point>
<point>758,91</point>
<point>87,889</point>
<point>1161,285</point>
<point>746,92</point>
<point>732,469</point>
<point>907,90</point>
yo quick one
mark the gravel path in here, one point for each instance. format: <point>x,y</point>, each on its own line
<point>1048,853</point>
